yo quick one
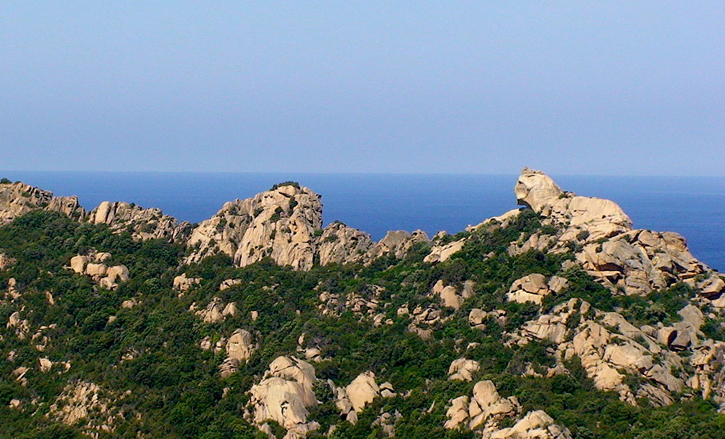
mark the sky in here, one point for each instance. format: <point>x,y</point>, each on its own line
<point>569,87</point>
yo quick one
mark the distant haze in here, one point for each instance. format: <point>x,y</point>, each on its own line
<point>617,87</point>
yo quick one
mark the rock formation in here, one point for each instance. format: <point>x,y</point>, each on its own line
<point>18,198</point>
<point>239,347</point>
<point>93,266</point>
<point>342,244</point>
<point>279,224</point>
<point>283,395</point>
<point>78,401</point>
<point>485,410</point>
<point>143,223</point>
<point>534,287</point>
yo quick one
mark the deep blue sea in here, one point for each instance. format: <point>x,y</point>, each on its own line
<point>375,203</point>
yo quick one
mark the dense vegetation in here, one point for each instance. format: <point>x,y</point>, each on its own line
<point>149,355</point>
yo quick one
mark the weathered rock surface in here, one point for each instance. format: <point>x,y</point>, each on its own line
<point>144,223</point>
<point>441,253</point>
<point>283,395</point>
<point>93,265</point>
<point>353,398</point>
<point>463,369</point>
<point>610,348</point>
<point>342,244</point>
<point>535,425</point>
<point>18,198</point>
<point>183,283</point>
<point>534,287</point>
<point>78,401</point>
<point>279,224</point>
<point>485,410</point>
<point>449,295</point>
<point>398,242</point>
<point>216,311</point>
<point>606,246</point>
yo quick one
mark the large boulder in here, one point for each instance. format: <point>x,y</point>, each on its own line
<point>536,190</point>
<point>284,394</point>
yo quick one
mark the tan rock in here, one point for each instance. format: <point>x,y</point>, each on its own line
<point>18,198</point>
<point>45,364</point>
<point>240,345</point>
<point>463,369</point>
<point>448,294</point>
<point>228,283</point>
<point>341,244</point>
<point>534,287</point>
<point>362,391</point>
<point>441,253</point>
<point>85,404</point>
<point>183,283</point>
<point>536,190</point>
<point>143,223</point>
<point>96,271</point>
<point>535,425</point>
<point>457,413</point>
<point>78,263</point>
<point>284,394</point>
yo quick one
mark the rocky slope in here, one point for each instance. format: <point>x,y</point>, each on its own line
<point>557,320</point>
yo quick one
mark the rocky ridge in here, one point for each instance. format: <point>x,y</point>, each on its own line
<point>671,356</point>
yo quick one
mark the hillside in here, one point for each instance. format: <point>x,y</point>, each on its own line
<point>555,320</point>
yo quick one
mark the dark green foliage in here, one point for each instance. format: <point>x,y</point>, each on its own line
<point>285,183</point>
<point>152,350</point>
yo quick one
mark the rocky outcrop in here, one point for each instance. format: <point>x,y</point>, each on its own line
<point>441,252</point>
<point>283,395</point>
<point>610,349</point>
<point>483,410</point>
<point>239,348</point>
<point>93,265</point>
<point>640,261</point>
<point>486,409</point>
<point>600,218</point>
<point>18,198</point>
<point>363,390</point>
<point>279,224</point>
<point>463,369</point>
<point>69,206</point>
<point>534,287</point>
<point>78,401</point>
<point>216,311</point>
<point>606,246</point>
<point>398,242</point>
<point>142,223</point>
<point>535,425</point>
<point>340,244</point>
<point>450,296</point>
<point>183,283</point>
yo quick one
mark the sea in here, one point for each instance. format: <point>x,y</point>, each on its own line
<point>376,203</point>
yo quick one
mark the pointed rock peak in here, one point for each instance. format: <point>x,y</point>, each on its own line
<point>536,190</point>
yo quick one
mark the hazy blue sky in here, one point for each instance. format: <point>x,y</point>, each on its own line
<point>615,87</point>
